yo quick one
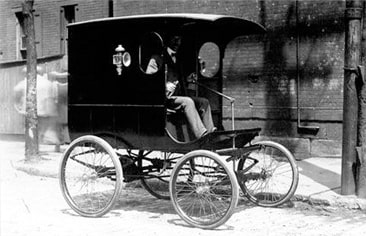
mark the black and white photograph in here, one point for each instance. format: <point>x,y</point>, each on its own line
<point>182,117</point>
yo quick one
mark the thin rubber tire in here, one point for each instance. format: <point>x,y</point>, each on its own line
<point>90,163</point>
<point>203,189</point>
<point>274,179</point>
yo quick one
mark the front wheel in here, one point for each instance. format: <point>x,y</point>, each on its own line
<point>268,174</point>
<point>90,176</point>
<point>203,189</point>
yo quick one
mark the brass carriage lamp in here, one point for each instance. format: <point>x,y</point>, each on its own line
<point>121,58</point>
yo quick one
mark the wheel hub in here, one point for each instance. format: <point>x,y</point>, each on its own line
<point>91,177</point>
<point>203,189</point>
<point>265,174</point>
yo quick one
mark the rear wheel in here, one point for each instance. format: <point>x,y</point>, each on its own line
<point>203,189</point>
<point>156,181</point>
<point>268,175</point>
<point>90,176</point>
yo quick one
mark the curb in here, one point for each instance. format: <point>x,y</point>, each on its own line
<point>31,169</point>
<point>346,202</point>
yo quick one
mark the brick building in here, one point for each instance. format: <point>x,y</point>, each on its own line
<point>289,82</point>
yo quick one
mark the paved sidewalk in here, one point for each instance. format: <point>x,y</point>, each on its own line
<point>319,183</point>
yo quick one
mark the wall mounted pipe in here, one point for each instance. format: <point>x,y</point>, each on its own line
<point>300,128</point>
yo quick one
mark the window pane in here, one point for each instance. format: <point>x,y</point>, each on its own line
<point>209,59</point>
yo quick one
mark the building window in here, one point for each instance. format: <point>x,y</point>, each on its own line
<point>21,38</point>
<point>21,46</point>
<point>110,8</point>
<point>68,16</point>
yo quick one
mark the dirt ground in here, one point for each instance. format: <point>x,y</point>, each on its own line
<point>33,205</point>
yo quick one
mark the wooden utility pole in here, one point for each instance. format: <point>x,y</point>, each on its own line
<point>353,17</point>
<point>361,140</point>
<point>31,121</point>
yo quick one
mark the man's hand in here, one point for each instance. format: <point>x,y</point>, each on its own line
<point>170,88</point>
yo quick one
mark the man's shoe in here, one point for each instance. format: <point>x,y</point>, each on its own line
<point>204,134</point>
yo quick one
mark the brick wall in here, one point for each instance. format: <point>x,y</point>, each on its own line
<point>247,9</point>
<point>49,13</point>
<point>264,75</point>
<point>7,30</point>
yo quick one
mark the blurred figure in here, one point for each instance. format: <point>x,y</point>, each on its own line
<point>60,79</point>
<point>49,110</point>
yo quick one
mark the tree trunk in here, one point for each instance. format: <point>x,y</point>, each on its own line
<point>361,149</point>
<point>350,107</point>
<point>31,121</point>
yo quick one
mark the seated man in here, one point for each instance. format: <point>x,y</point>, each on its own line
<point>197,110</point>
